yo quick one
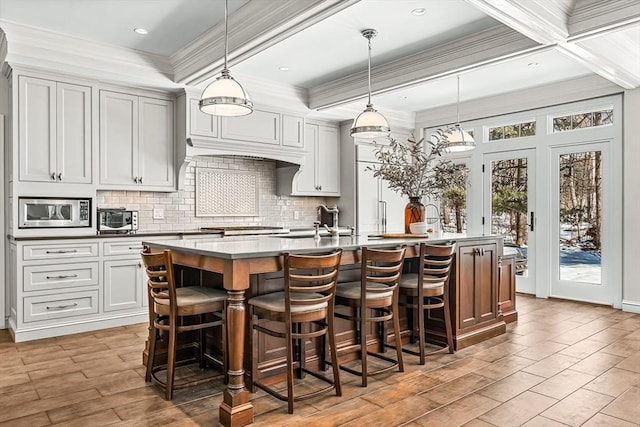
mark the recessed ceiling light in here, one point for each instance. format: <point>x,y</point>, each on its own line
<point>283,68</point>
<point>532,64</point>
<point>140,31</point>
<point>404,97</point>
<point>419,11</point>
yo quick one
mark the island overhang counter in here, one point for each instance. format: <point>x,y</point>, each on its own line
<point>474,290</point>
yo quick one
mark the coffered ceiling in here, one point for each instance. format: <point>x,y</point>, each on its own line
<point>496,46</point>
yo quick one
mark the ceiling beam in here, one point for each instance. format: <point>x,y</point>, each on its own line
<point>486,47</point>
<point>544,21</point>
<point>252,29</point>
<point>552,22</point>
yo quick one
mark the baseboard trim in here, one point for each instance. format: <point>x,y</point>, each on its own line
<point>631,306</point>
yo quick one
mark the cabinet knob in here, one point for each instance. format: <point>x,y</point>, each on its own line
<point>53,176</point>
<point>140,180</point>
<point>60,176</point>
<point>135,179</point>
<point>320,187</point>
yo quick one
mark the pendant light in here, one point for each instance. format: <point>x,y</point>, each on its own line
<point>457,139</point>
<point>225,96</point>
<point>370,124</point>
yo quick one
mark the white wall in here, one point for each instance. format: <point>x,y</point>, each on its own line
<point>4,110</point>
<point>631,202</point>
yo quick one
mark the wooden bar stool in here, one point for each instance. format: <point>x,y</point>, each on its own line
<point>306,307</point>
<point>175,310</point>
<point>377,291</point>
<point>428,290</point>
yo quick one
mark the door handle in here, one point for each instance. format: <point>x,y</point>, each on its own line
<point>384,215</point>
<point>532,223</point>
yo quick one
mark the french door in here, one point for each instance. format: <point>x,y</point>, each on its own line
<point>509,196</point>
<point>584,233</point>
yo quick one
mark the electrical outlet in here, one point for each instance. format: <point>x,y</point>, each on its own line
<point>296,215</point>
<point>158,214</point>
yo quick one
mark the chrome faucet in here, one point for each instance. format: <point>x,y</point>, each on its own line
<point>334,211</point>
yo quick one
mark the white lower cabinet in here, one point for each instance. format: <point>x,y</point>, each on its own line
<point>75,285</point>
<point>123,284</point>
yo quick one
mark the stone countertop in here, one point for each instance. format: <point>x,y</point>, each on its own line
<point>140,235</point>
<point>264,246</point>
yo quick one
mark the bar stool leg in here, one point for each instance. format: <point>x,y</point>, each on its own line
<point>334,354</point>
<point>153,338</point>
<point>421,331</point>
<point>289,370</point>
<point>396,330</point>
<point>447,323</point>
<point>171,359</point>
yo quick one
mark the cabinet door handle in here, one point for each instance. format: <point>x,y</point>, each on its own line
<point>532,223</point>
<point>135,179</point>
<point>63,251</point>
<point>60,176</point>
<point>136,247</point>
<point>139,265</point>
<point>53,176</point>
<point>62,307</point>
<point>140,180</point>
<point>320,187</point>
<point>62,276</point>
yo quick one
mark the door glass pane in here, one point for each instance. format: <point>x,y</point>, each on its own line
<point>580,217</point>
<point>453,203</point>
<point>509,207</point>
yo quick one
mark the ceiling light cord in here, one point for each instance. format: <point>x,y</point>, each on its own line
<point>369,68</point>
<point>226,34</point>
<point>458,103</point>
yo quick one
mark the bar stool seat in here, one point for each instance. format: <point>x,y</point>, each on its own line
<point>410,281</point>
<point>351,290</point>
<point>275,301</point>
<point>190,300</point>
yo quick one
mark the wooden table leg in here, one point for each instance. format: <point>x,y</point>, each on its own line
<point>235,409</point>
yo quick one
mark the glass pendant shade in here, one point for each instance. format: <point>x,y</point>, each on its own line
<point>225,97</point>
<point>370,124</point>
<point>458,140</point>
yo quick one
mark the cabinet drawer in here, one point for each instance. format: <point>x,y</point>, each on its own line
<point>47,307</point>
<point>57,251</point>
<point>43,277</point>
<point>131,247</point>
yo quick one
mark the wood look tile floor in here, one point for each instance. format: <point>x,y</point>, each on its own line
<point>561,364</point>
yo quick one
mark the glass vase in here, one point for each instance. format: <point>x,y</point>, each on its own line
<point>413,212</point>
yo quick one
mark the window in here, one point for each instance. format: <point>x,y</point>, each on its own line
<point>517,130</point>
<point>583,120</point>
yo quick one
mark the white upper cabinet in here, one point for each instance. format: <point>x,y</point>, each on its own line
<point>292,131</point>
<point>136,142</point>
<point>54,131</point>
<point>155,139</point>
<point>201,124</point>
<point>320,173</point>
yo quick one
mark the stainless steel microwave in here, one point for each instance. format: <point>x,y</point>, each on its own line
<point>49,212</point>
<point>117,221</point>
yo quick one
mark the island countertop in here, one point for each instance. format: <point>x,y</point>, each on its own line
<point>266,246</point>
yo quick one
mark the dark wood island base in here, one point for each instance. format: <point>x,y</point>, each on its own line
<point>482,302</point>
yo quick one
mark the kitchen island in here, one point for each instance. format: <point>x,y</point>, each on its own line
<point>474,289</point>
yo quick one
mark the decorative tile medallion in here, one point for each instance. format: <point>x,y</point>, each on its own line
<point>226,192</point>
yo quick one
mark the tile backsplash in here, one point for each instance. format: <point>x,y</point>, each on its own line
<point>178,208</point>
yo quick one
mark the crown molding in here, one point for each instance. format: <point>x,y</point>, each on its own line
<point>3,46</point>
<point>486,47</point>
<point>40,48</point>
<point>252,29</point>
<point>543,21</point>
<point>591,17</point>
